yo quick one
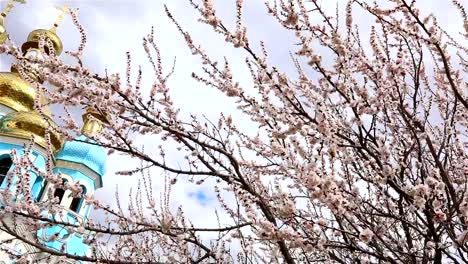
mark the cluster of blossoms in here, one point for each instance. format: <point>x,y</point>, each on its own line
<point>361,157</point>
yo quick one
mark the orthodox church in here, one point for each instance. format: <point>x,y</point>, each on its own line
<point>78,161</point>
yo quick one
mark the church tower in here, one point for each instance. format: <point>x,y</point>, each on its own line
<point>79,161</point>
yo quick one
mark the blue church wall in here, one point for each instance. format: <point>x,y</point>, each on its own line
<point>36,182</point>
<point>38,160</point>
<point>74,244</point>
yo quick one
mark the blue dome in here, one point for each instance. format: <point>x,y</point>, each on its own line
<point>88,154</point>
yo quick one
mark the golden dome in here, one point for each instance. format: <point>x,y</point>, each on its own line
<point>33,40</point>
<point>26,124</point>
<point>16,93</point>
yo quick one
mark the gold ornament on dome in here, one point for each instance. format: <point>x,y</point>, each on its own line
<point>35,35</point>
<point>50,34</point>
<point>93,122</point>
<point>23,125</point>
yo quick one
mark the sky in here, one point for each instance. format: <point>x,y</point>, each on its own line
<point>114,27</point>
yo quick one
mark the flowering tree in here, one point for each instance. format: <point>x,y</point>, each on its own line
<point>361,158</point>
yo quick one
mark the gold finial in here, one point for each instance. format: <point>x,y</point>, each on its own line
<point>10,5</point>
<point>3,14</point>
<point>93,122</point>
<point>35,35</point>
<point>63,11</point>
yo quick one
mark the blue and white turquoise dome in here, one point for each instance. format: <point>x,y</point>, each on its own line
<point>88,154</point>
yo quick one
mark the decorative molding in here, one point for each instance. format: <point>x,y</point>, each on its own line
<point>81,168</point>
<point>21,142</point>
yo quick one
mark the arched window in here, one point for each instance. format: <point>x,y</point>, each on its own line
<point>41,192</point>
<point>38,188</point>
<point>60,192</point>
<point>77,202</point>
<point>5,165</point>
